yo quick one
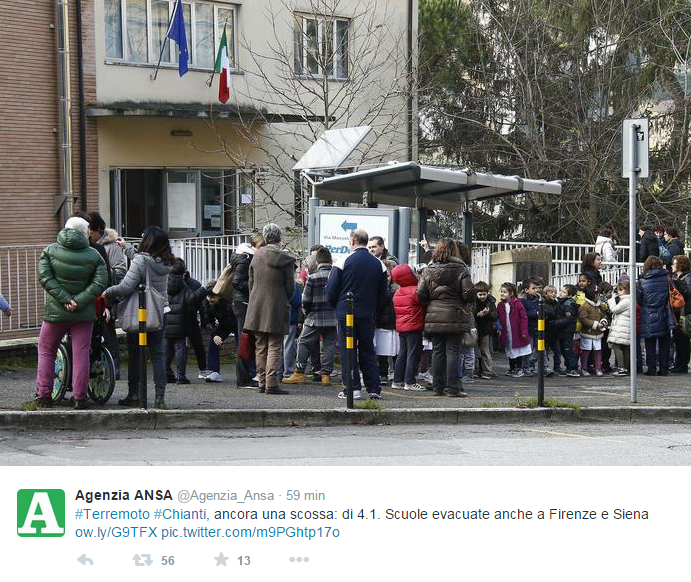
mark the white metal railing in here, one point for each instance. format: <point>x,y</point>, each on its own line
<point>19,285</point>
<point>560,251</point>
<point>479,265</point>
<point>206,257</point>
<point>566,272</point>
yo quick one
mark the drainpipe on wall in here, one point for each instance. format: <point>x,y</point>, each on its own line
<point>65,200</point>
<point>82,105</point>
<point>410,81</point>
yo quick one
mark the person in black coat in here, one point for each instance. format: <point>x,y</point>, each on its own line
<point>183,303</point>
<point>564,326</point>
<point>648,244</point>
<point>218,314</point>
<point>673,244</point>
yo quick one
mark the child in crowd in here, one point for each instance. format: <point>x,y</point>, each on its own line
<point>607,291</point>
<point>410,322</point>
<point>485,312</point>
<point>531,300</point>
<point>320,320</point>
<point>549,293</point>
<point>466,361</point>
<point>564,326</point>
<point>218,313</point>
<point>183,303</point>
<point>514,329</point>
<point>592,325</point>
<point>286,363</point>
<point>619,338</point>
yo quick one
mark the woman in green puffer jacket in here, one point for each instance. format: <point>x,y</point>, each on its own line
<point>73,275</point>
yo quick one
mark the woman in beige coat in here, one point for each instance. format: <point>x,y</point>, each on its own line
<point>268,312</point>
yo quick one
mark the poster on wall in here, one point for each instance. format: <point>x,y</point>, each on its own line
<point>335,229</point>
<point>182,206</point>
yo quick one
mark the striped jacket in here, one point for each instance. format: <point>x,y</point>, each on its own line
<point>318,311</point>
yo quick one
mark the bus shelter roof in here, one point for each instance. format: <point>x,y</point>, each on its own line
<point>414,185</point>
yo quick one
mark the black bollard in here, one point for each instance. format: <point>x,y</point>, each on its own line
<point>541,353</point>
<point>142,346</point>
<point>349,352</point>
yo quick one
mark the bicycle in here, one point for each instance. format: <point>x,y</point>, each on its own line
<point>101,371</point>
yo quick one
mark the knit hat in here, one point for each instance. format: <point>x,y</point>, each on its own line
<point>78,224</point>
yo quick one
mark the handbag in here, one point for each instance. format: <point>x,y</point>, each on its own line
<point>224,285</point>
<point>128,310</point>
<point>246,349</point>
<point>676,299</point>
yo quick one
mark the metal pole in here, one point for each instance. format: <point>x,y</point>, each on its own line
<point>541,352</point>
<point>350,346</point>
<point>65,102</point>
<point>633,178</point>
<point>142,346</point>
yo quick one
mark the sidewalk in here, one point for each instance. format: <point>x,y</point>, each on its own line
<point>502,399</point>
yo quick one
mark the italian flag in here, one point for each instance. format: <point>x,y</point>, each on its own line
<point>222,67</point>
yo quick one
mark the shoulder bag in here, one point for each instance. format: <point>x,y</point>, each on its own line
<point>128,310</point>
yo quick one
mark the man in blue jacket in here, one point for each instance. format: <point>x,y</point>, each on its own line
<point>364,275</point>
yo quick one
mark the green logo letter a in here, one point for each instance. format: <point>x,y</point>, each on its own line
<point>43,507</point>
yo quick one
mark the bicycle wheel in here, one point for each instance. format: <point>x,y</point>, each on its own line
<point>63,373</point>
<point>102,377</point>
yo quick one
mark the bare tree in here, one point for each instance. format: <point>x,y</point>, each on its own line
<point>328,64</point>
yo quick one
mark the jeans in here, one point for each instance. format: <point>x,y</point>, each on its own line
<point>245,370</point>
<point>566,350</point>
<point>446,348</point>
<point>176,347</point>
<point>215,351</point>
<point>682,348</point>
<point>484,359</point>
<point>268,353</point>
<point>48,341</point>
<point>308,339</point>
<point>657,348</point>
<point>364,357</point>
<point>408,358</point>
<point>466,361</point>
<point>530,362</point>
<point>155,345</point>
<point>286,364</point>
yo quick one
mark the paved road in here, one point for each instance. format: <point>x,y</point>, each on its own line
<point>502,445</point>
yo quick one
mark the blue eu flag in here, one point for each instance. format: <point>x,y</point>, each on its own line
<point>176,32</point>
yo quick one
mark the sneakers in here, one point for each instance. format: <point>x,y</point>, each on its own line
<point>203,374</point>
<point>38,403</point>
<point>399,385</point>
<point>573,374</point>
<point>357,394</point>
<point>296,378</point>
<point>383,380</point>
<point>486,377</point>
<point>214,377</point>
<point>549,373</point>
<point>620,372</point>
<point>467,380</point>
<point>508,373</point>
<point>529,373</point>
<point>562,373</point>
<point>374,396</point>
<point>585,373</point>
<point>83,404</point>
<point>413,387</point>
<point>183,380</point>
<point>518,374</point>
<point>599,373</point>
<point>425,377</point>
<point>253,384</point>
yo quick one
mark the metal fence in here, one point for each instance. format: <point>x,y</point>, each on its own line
<point>19,285</point>
<point>206,257</point>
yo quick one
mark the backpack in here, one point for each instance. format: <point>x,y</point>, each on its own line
<point>664,253</point>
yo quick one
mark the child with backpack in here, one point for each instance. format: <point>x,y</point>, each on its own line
<point>592,326</point>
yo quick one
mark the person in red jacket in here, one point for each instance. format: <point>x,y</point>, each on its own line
<point>410,322</point>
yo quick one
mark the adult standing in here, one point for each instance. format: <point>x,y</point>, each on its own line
<point>271,287</point>
<point>657,319</point>
<point>363,275</point>
<point>240,262</point>
<point>604,245</point>
<point>98,233</point>
<point>152,263</point>
<point>674,246</point>
<point>681,276</point>
<point>378,249</point>
<point>73,275</point>
<point>648,244</point>
<point>448,290</point>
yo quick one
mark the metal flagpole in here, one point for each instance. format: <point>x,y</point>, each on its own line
<point>633,179</point>
<point>165,39</point>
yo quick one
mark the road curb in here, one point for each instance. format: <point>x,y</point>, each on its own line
<point>104,420</point>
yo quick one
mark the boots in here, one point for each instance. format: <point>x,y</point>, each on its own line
<point>326,379</point>
<point>132,398</point>
<point>160,404</point>
<point>298,377</point>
